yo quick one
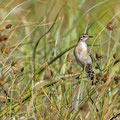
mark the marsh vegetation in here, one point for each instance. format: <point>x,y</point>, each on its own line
<point>37,66</point>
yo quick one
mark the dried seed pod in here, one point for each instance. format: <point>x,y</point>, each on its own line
<point>63,78</point>
<point>99,76</point>
<point>1,80</point>
<point>69,59</point>
<point>48,74</point>
<point>14,63</point>
<point>8,26</point>
<point>117,79</point>
<point>3,37</point>
<point>115,55</point>
<point>110,25</point>
<point>105,78</point>
<point>84,107</point>
<point>99,57</point>
<point>5,49</point>
<point>22,69</point>
<point>71,70</point>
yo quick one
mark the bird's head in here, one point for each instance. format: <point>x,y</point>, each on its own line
<point>84,37</point>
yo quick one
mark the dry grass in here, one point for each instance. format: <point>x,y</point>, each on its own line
<point>37,67</point>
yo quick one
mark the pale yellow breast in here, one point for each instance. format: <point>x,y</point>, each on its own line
<point>81,51</point>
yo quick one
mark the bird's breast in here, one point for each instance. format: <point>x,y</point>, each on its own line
<point>81,54</point>
<point>81,50</point>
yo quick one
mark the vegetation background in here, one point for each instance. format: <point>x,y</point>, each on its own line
<point>37,67</point>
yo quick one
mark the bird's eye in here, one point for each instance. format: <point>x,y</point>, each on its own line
<point>83,35</point>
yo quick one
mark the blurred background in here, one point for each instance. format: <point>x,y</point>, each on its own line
<point>37,66</point>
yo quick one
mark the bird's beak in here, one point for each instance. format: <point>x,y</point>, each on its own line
<point>90,36</point>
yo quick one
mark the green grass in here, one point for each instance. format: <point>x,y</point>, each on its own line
<point>36,78</point>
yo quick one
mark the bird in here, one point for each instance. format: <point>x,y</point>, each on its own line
<point>83,57</point>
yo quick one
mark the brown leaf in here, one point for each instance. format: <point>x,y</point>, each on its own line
<point>99,57</point>
<point>110,25</point>
<point>71,70</point>
<point>8,26</point>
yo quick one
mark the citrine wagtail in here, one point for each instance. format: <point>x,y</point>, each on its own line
<point>83,57</point>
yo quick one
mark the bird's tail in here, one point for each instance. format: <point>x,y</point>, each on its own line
<point>91,76</point>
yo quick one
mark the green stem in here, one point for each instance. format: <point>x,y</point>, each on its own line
<point>37,43</point>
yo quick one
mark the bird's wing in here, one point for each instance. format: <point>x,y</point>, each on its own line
<point>92,58</point>
<point>77,60</point>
